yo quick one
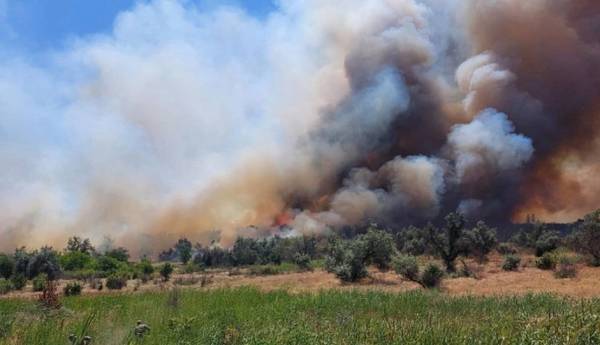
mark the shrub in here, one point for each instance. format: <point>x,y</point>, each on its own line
<point>120,254</point>
<point>546,261</point>
<point>19,281</point>
<point>72,289</point>
<point>116,281</point>
<point>348,262</point>
<point>107,264</point>
<point>44,261</point>
<point>166,270</point>
<point>145,267</point>
<point>95,283</point>
<point>480,241</point>
<point>511,262</point>
<point>7,266</point>
<point>432,276</point>
<point>505,248</point>
<point>547,242</point>
<point>39,282</point>
<point>408,268</point>
<point>566,268</point>
<point>6,286</point>
<point>244,252</point>
<point>303,262</point>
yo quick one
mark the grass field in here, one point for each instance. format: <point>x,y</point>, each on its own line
<point>249,316</point>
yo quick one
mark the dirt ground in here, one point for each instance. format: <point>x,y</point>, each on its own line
<point>492,280</point>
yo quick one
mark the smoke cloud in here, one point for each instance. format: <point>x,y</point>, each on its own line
<point>214,124</point>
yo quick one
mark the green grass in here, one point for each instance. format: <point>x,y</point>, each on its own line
<point>247,316</point>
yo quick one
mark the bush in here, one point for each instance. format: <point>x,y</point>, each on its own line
<point>165,271</point>
<point>72,289</point>
<point>116,281</point>
<point>480,241</point>
<point>303,262</point>
<point>45,261</point>
<point>348,260</point>
<point>39,282</point>
<point>120,254</point>
<point>6,286</point>
<point>7,266</point>
<point>432,276</point>
<point>566,268</point>
<point>547,242</point>
<point>546,261</point>
<point>184,249</point>
<point>505,248</point>
<point>407,267</point>
<point>19,281</point>
<point>511,262</point>
<point>379,247</point>
<point>145,267</point>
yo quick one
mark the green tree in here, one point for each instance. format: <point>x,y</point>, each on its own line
<point>379,247</point>
<point>586,238</point>
<point>412,240</point>
<point>166,270</point>
<point>75,260</point>
<point>481,240</point>
<point>184,249</point>
<point>7,266</point>
<point>120,254</point>
<point>45,261</point>
<point>77,244</point>
<point>449,242</point>
<point>347,260</point>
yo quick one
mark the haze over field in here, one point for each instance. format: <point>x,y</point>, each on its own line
<point>204,121</point>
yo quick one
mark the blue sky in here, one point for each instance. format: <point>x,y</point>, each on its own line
<point>43,24</point>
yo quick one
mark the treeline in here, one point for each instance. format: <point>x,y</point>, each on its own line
<point>347,258</point>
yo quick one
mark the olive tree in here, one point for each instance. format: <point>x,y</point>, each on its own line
<point>480,241</point>
<point>449,241</point>
<point>586,239</point>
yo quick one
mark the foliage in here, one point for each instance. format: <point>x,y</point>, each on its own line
<point>145,266</point>
<point>538,237</point>
<point>75,260</point>
<point>7,266</point>
<point>6,286</point>
<point>21,259</point>
<point>546,261</point>
<point>408,267</point>
<point>586,238</point>
<point>379,247</point>
<point>77,244</point>
<point>432,276</point>
<point>184,250</point>
<point>506,248</point>
<point>44,261</point>
<point>166,270</point>
<point>120,254</point>
<point>244,251</point>
<point>347,260</point>
<point>480,241</point>
<point>39,282</point>
<point>19,281</point>
<point>412,241</point>
<point>511,262</point>
<point>116,281</point>
<point>449,242</point>
<point>72,289</point>
<point>303,262</point>
<point>213,256</point>
<point>49,297</point>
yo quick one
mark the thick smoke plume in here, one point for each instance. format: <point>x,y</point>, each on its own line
<point>213,124</point>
